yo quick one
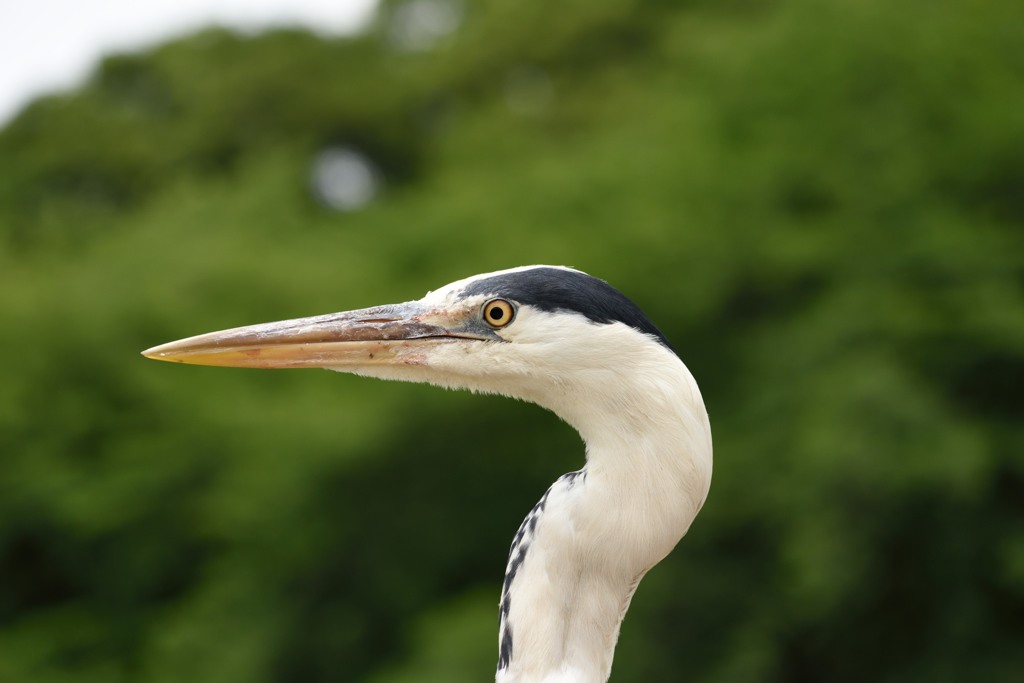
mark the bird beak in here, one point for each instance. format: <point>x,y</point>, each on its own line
<point>399,334</point>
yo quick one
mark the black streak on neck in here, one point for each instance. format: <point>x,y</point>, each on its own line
<point>517,556</point>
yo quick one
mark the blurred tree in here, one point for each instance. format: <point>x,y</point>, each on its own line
<point>820,203</point>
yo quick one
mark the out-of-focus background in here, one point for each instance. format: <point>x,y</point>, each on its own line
<point>820,203</point>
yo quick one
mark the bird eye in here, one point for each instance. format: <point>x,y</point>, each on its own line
<point>498,312</point>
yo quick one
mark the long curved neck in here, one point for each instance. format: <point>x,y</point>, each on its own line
<point>582,551</point>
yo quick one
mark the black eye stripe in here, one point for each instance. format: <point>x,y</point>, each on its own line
<point>555,289</point>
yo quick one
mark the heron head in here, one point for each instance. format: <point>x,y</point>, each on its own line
<point>535,333</point>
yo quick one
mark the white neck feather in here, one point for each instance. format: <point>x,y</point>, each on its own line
<point>647,474</point>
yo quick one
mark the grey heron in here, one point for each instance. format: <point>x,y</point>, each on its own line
<point>575,345</point>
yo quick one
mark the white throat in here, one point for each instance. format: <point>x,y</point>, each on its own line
<point>581,552</point>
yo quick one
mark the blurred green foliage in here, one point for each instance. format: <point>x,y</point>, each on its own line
<point>822,204</point>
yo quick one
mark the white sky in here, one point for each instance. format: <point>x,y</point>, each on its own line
<point>51,45</point>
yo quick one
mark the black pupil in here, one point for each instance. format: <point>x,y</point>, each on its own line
<point>497,313</point>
